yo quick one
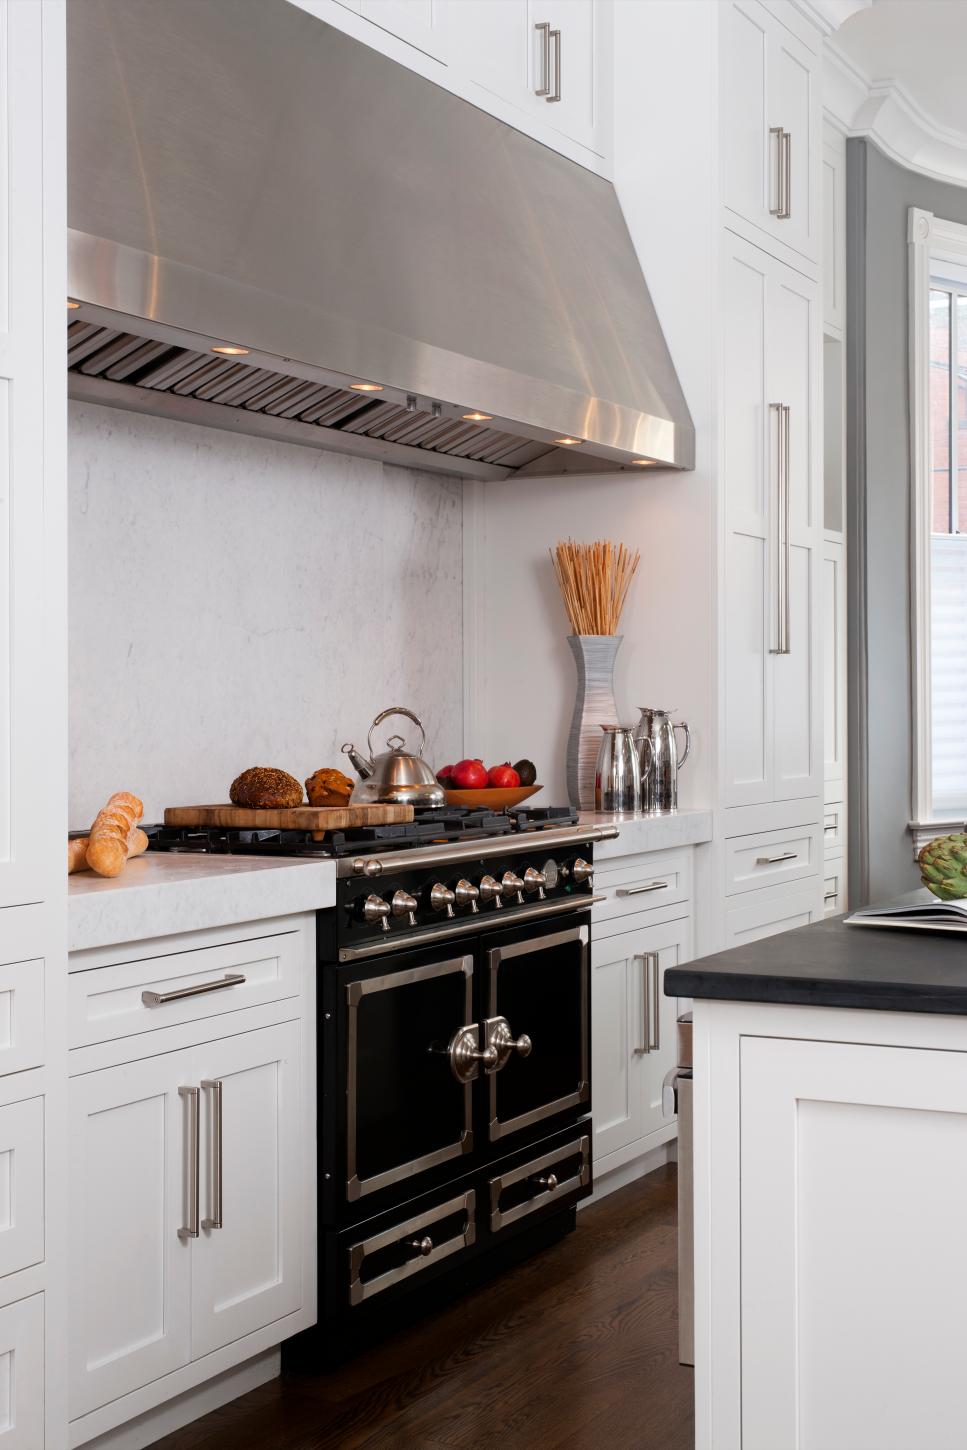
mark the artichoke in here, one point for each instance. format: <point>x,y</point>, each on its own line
<point>943,866</point>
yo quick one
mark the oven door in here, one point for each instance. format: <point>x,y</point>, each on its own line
<point>406,1110</point>
<point>537,1002</point>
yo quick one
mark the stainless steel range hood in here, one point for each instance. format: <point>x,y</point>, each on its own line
<point>242,173</point>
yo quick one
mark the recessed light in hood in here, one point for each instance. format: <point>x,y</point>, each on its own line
<point>366,387</point>
<point>72,306</point>
<point>228,349</point>
<point>477,417</point>
<point>567,442</point>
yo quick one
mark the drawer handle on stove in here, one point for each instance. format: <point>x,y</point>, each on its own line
<point>640,890</point>
<point>159,999</point>
<point>423,1247</point>
<point>774,860</point>
<point>547,1181</point>
<point>501,1042</point>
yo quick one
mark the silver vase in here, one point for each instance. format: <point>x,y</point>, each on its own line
<point>594,657</point>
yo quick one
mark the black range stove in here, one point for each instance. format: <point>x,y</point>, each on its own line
<point>454,1059</point>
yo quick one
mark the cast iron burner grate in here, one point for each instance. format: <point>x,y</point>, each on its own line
<point>443,824</point>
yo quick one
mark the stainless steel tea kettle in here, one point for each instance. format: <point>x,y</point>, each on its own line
<point>659,758</point>
<point>394,777</point>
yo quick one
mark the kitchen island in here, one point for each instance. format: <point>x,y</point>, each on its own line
<point>830,1156</point>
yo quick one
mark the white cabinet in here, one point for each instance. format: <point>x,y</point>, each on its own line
<point>773,744</point>
<point>418,22</point>
<point>771,128</point>
<point>777,909</point>
<point>22,1374</point>
<point>177,1251</point>
<point>130,1271</point>
<point>634,1039</point>
<point>853,1177</point>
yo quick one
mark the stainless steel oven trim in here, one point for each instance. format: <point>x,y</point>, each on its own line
<point>476,850</point>
<point>510,916</point>
<point>358,1291</point>
<point>580,1179</point>
<point>581,1094</point>
<point>355,991</point>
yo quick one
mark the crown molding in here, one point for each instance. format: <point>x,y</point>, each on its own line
<point>884,111</point>
<point>829,15</point>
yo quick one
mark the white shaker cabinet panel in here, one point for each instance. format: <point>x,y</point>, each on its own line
<point>770,129</point>
<point>22,1374</point>
<point>418,22</point>
<point>130,1271</point>
<point>24,744</point>
<point>247,1263</point>
<point>774,910</point>
<point>853,1255</point>
<point>21,1185</point>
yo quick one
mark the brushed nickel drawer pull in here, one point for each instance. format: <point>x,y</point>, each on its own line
<point>159,999</point>
<point>215,1221</point>
<point>544,31</point>
<point>190,1231</point>
<point>774,860</point>
<point>555,35</point>
<point>641,890</point>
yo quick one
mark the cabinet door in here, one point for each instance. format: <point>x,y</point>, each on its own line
<point>792,375</point>
<point>130,1272</point>
<point>571,71</point>
<point>247,1262</point>
<point>25,744</point>
<point>418,22</point>
<point>853,1255</point>
<point>772,912</point>
<point>22,1374</point>
<point>634,1038</point>
<point>834,663</point>
<point>749,487</point>
<point>770,82</point>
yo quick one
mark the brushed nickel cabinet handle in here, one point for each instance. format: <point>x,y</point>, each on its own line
<point>555,35</point>
<point>190,1231</point>
<point>159,999</point>
<point>774,860</point>
<point>544,31</point>
<point>649,1002</point>
<point>641,890</point>
<point>786,212</point>
<point>214,1086</point>
<point>786,541</point>
<point>775,410</point>
<point>775,181</point>
<point>656,1000</point>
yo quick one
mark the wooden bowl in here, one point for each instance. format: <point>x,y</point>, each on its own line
<point>492,797</point>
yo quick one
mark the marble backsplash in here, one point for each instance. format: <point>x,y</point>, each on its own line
<point>236,602</point>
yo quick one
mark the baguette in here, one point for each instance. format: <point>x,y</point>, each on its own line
<point>77,854</point>
<point>108,847</point>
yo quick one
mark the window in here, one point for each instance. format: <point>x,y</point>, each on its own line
<point>938,281</point>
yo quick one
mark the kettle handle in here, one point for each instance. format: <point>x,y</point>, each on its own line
<point>646,770</point>
<point>683,725</point>
<point>396,710</point>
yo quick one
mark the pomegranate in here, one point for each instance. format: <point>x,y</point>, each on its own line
<point>503,777</point>
<point>469,775</point>
<point>445,775</point>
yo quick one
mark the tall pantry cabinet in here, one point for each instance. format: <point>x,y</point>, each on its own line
<point>33,743</point>
<point>770,620</point>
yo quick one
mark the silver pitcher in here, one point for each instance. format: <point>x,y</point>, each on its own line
<point>617,774</point>
<point>658,758</point>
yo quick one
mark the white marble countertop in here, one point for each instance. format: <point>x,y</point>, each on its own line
<point>163,892</point>
<point>649,833</point>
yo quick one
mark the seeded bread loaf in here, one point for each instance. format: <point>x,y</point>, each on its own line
<point>262,787</point>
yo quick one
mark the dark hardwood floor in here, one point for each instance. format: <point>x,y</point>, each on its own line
<point>575,1350</point>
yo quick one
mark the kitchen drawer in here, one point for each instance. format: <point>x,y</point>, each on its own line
<point>558,1178</point>
<point>771,858</point>
<point>22,1374</point>
<point>21,1015</point>
<point>834,827</point>
<point>122,1000</point>
<point>834,886</point>
<point>412,1247</point>
<point>21,1187</point>
<point>770,912</point>
<point>636,884</point>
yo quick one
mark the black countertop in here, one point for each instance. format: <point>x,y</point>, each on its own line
<point>830,964</point>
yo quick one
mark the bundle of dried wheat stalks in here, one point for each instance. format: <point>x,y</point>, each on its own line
<point>594,580</point>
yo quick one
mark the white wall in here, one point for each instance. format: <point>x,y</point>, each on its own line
<point>522,682</point>
<point>239,602</point>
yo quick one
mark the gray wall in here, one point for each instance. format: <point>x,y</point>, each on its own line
<point>878,458</point>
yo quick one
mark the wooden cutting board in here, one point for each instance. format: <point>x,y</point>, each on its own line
<point>292,818</point>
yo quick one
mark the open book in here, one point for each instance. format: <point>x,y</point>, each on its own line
<point>919,909</point>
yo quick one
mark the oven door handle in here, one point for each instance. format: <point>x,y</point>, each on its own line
<point>425,936</point>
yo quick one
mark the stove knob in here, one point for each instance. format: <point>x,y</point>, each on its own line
<point>467,895</point>
<point>535,881</point>
<point>404,904</point>
<point>442,898</point>
<point>512,885</point>
<point>490,890</point>
<point>376,909</point>
<point>583,871</point>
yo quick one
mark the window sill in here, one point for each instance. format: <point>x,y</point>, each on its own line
<point>924,831</point>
